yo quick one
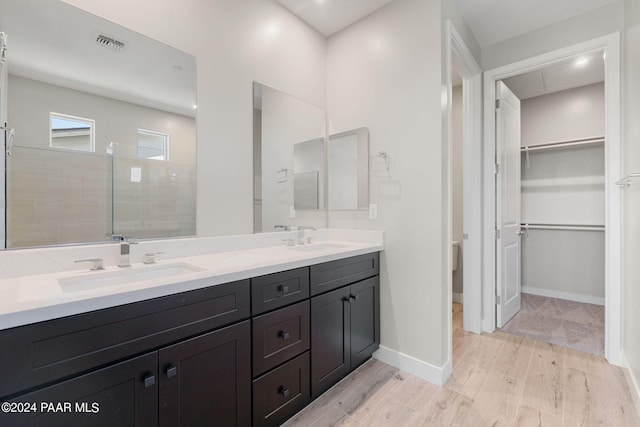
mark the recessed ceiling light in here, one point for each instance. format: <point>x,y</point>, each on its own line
<point>195,106</point>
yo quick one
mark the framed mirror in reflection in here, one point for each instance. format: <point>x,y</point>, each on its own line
<point>289,166</point>
<point>349,169</point>
<point>105,136</point>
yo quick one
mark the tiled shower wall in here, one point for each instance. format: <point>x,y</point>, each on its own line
<point>58,196</point>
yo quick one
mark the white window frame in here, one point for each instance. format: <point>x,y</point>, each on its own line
<point>166,137</point>
<point>92,131</point>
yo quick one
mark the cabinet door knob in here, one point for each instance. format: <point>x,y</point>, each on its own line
<point>172,371</point>
<point>284,335</point>
<point>284,391</point>
<point>149,380</point>
<point>345,299</point>
<point>353,297</point>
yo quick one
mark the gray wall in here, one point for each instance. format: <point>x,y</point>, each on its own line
<point>564,186</point>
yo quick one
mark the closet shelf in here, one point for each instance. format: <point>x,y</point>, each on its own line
<point>632,178</point>
<point>568,227</point>
<point>564,181</point>
<point>563,144</point>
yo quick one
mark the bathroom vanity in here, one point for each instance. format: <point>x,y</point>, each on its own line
<point>245,352</point>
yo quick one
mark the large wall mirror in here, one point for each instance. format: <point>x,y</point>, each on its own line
<point>289,166</point>
<point>105,134</point>
<point>296,179</point>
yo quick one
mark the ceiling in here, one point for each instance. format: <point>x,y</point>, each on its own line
<point>331,16</point>
<point>54,42</point>
<point>568,74</point>
<point>493,21</point>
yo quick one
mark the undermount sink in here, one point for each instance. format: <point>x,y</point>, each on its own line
<point>317,247</point>
<point>124,276</point>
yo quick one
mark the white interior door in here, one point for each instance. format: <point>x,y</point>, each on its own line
<point>508,241</point>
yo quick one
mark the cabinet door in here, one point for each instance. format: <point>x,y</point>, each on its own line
<point>207,380</point>
<point>330,342</point>
<point>123,395</point>
<point>365,319</point>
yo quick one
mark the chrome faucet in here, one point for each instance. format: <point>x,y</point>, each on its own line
<point>125,252</point>
<point>301,232</point>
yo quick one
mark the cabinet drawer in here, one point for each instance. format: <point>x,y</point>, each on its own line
<point>280,335</point>
<point>279,289</point>
<point>334,274</point>
<point>46,351</point>
<point>281,393</point>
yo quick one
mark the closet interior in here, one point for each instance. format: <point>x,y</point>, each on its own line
<point>563,202</point>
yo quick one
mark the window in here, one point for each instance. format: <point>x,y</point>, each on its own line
<point>71,133</point>
<point>153,145</point>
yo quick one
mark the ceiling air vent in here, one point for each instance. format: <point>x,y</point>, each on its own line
<point>109,43</point>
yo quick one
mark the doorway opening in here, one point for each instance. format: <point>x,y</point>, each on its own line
<point>558,234</point>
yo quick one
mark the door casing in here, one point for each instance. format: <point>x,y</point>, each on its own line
<point>610,46</point>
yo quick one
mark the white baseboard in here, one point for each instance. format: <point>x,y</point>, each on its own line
<point>563,295</point>
<point>434,374</point>
<point>633,381</point>
<point>457,297</point>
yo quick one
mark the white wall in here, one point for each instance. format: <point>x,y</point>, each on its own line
<point>235,42</point>
<point>564,186</point>
<point>384,73</point>
<point>631,135</point>
<point>587,26</point>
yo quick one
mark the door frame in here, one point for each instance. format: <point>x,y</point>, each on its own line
<point>610,44</point>
<point>458,55</point>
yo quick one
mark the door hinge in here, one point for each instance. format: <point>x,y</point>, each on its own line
<point>496,169</point>
<point>497,299</point>
<point>497,234</point>
<point>497,104</point>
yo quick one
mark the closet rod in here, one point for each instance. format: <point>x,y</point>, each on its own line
<point>561,144</point>
<point>563,227</point>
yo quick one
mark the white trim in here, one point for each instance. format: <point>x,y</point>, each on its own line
<point>610,44</point>
<point>457,297</point>
<point>466,65</point>
<point>589,299</point>
<point>434,374</point>
<point>633,381</point>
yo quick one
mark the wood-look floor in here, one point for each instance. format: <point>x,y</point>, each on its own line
<point>497,380</point>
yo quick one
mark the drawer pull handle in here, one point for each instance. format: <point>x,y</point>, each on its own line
<point>284,335</point>
<point>284,391</point>
<point>283,289</point>
<point>149,380</point>
<point>172,371</point>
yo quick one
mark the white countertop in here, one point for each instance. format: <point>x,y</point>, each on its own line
<point>36,298</point>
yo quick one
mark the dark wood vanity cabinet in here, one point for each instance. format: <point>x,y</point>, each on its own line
<point>207,380</point>
<point>195,365</point>
<point>345,331</point>
<point>124,394</point>
<point>252,352</point>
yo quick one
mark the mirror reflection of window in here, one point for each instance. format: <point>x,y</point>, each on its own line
<point>153,145</point>
<point>71,133</point>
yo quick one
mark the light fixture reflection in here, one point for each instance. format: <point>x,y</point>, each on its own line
<point>582,62</point>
